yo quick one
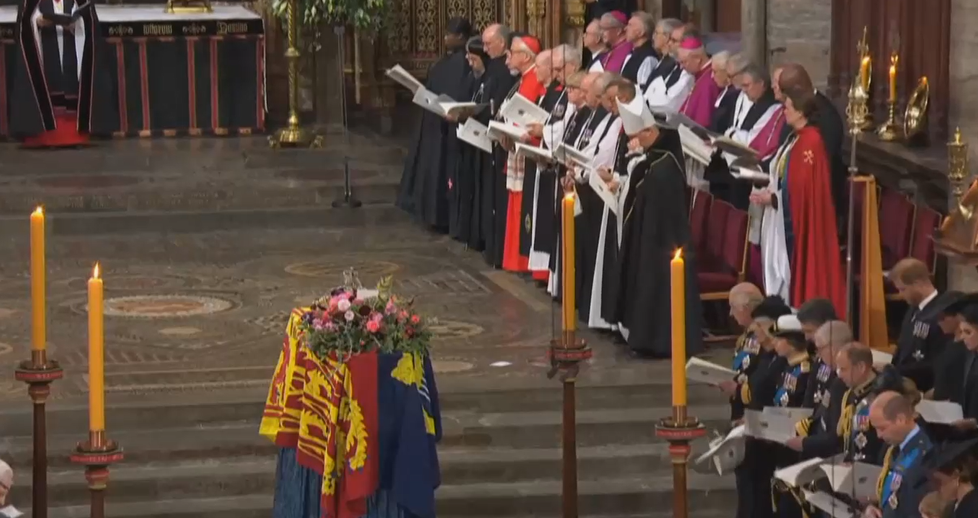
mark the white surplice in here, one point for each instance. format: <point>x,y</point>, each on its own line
<point>774,247</point>
<point>605,154</point>
<point>669,98</point>
<point>79,33</point>
<point>553,132</point>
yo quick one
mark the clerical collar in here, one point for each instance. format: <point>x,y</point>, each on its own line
<point>909,436</point>
<point>927,300</point>
<point>707,67</point>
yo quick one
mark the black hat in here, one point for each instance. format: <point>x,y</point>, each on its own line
<point>475,47</point>
<point>946,456</point>
<point>954,302</point>
<point>459,25</point>
<point>772,307</point>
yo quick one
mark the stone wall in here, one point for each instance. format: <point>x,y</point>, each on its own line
<point>803,29</point>
<point>963,112</point>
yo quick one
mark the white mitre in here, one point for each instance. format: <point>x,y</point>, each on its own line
<point>635,115</point>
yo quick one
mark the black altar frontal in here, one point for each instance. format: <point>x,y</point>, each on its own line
<point>167,74</point>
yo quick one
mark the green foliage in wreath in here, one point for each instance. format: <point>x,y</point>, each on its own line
<point>366,15</point>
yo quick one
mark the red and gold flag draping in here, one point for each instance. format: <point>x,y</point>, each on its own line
<point>872,301</point>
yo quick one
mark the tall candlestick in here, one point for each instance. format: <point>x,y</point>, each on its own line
<point>894,59</point>
<point>678,284</point>
<point>864,73</point>
<point>96,354</point>
<point>38,297</point>
<point>568,273</point>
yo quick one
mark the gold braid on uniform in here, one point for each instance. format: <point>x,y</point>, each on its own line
<point>745,393</point>
<point>795,493</point>
<point>844,429</point>
<point>803,427</point>
<point>880,482</point>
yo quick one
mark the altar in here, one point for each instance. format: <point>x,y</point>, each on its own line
<point>169,74</point>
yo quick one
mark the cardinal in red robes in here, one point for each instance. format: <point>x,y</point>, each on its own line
<point>808,239</point>
<point>521,60</point>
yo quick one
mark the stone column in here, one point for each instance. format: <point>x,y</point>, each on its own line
<point>753,24</point>
<point>964,109</point>
<point>706,13</point>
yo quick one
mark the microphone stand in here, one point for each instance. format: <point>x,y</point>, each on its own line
<point>348,200</point>
<point>856,112</point>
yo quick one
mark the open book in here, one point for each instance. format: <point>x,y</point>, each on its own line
<point>707,372</point>
<point>882,358</point>
<point>497,130</point>
<point>725,452</point>
<point>431,102</point>
<point>534,153</point>
<point>732,147</point>
<point>10,512</point>
<point>803,473</point>
<point>404,78</point>
<point>570,155</point>
<point>68,19</point>
<point>772,425</point>
<point>475,133</point>
<point>520,111</point>
<point>939,412</point>
<point>694,146</point>
<point>856,479</point>
<point>749,168</point>
<point>604,192</point>
<point>462,109</point>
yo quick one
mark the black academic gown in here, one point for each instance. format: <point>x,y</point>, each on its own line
<point>433,156</point>
<point>920,344</point>
<point>48,81</point>
<point>548,101</point>
<point>578,125</point>
<point>587,225</point>
<point>500,83</point>
<point>656,224</point>
<point>668,69</point>
<point>465,187</point>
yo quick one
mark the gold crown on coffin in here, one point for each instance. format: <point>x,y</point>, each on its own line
<point>188,6</point>
<point>958,235</point>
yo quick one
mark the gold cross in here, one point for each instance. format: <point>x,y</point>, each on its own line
<point>809,157</point>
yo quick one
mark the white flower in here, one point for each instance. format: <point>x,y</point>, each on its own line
<point>343,305</point>
<point>349,316</point>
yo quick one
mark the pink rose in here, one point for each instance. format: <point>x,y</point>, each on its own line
<point>358,302</point>
<point>373,326</point>
<point>390,309</point>
<point>415,319</point>
<point>349,316</point>
<point>329,325</point>
<point>317,324</point>
<point>343,305</point>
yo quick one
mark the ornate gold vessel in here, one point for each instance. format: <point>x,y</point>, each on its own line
<point>958,235</point>
<point>188,6</point>
<point>915,117</point>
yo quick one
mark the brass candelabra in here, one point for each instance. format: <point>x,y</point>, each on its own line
<point>957,173</point>
<point>293,134</point>
<point>856,114</point>
<point>890,130</point>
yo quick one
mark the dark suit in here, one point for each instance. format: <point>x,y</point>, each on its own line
<point>957,378</point>
<point>920,344</point>
<point>905,478</point>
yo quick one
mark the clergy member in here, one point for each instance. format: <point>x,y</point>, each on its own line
<point>655,227</point>
<point>613,36</point>
<point>799,246</point>
<point>594,45</point>
<point>521,61</point>
<point>670,84</point>
<point>495,198</point>
<point>423,190</point>
<point>723,108</point>
<point>641,62</point>
<point>56,96</point>
<point>699,104</point>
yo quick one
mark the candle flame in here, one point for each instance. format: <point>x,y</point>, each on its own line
<point>39,210</point>
<point>923,80</point>
<point>569,196</point>
<point>95,271</point>
<point>678,254</point>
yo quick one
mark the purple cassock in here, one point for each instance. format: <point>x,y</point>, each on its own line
<point>701,102</point>
<point>614,59</point>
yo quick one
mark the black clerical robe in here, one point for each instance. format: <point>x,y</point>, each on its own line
<point>655,226</point>
<point>433,156</point>
<point>465,182</point>
<point>578,124</point>
<point>634,63</point>
<point>55,79</point>
<point>537,181</point>
<point>611,274</point>
<point>723,115</point>
<point>920,344</point>
<point>587,224</point>
<point>495,198</point>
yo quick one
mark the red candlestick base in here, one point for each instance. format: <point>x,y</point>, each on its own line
<point>679,429</point>
<point>39,373</point>
<point>97,454</point>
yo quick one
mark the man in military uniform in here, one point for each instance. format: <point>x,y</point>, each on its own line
<point>921,339</point>
<point>814,314</point>
<point>744,299</point>
<point>903,480</point>
<point>859,440</point>
<point>754,474</point>
<point>817,435</point>
<point>792,346</point>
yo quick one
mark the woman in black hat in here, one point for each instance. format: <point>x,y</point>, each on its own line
<point>955,471</point>
<point>956,378</point>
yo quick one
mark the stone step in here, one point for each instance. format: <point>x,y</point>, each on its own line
<point>134,413</point>
<point>159,480</point>
<point>518,430</point>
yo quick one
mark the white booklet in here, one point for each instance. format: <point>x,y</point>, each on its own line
<point>694,147</point>
<point>456,108</point>
<point>520,111</point>
<point>795,414</point>
<point>831,505</point>
<point>570,155</point>
<point>856,479</point>
<point>770,426</point>
<point>431,102</point>
<point>723,451</point>
<point>882,358</point>
<point>803,473</point>
<point>397,73</point>
<point>707,372</point>
<point>534,153</point>
<point>497,130</point>
<point>475,133</point>
<point>939,412</point>
<point>10,512</point>
<point>599,186</point>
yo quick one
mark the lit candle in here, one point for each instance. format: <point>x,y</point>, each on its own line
<point>864,73</point>
<point>38,304</point>
<point>567,269</point>
<point>96,354</point>
<point>678,284</point>
<point>893,78</point>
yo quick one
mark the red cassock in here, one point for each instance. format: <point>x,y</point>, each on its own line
<point>532,89</point>
<point>816,262</point>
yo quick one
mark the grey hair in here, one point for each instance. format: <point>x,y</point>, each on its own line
<point>520,44</point>
<point>648,22</point>
<point>606,80</point>
<point>737,63</point>
<point>613,22</point>
<point>834,333</point>
<point>720,59</point>
<point>668,25</point>
<point>505,33</point>
<point>758,73</point>
<point>569,54</point>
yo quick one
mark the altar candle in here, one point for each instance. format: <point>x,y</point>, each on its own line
<point>864,73</point>
<point>96,354</point>
<point>568,269</point>
<point>893,80</point>
<point>38,309</point>
<point>678,298</point>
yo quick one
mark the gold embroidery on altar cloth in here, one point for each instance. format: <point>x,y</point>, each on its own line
<point>157,29</point>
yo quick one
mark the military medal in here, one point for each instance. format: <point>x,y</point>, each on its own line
<point>892,501</point>
<point>861,440</point>
<point>825,397</point>
<point>918,355</point>
<point>784,399</point>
